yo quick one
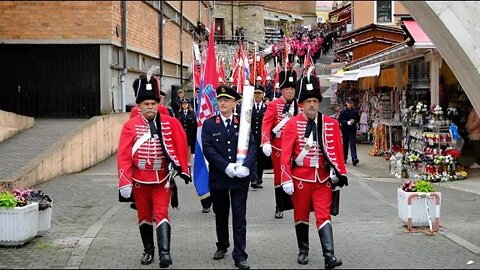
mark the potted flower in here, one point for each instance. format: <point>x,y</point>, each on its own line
<point>419,204</point>
<point>19,218</point>
<point>44,210</point>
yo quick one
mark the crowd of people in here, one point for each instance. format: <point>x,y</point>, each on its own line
<point>288,134</point>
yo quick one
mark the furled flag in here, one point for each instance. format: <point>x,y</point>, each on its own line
<point>261,70</point>
<point>220,69</point>
<point>240,73</point>
<point>207,99</point>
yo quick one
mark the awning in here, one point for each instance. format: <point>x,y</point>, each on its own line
<point>296,17</point>
<point>270,18</point>
<point>369,71</point>
<point>351,75</point>
<point>284,17</point>
<point>335,78</point>
<point>415,32</point>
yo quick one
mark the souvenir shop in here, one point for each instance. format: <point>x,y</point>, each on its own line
<point>418,129</point>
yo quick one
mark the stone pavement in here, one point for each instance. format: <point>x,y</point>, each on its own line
<point>91,229</point>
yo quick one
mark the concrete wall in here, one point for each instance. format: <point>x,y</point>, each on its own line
<point>453,29</point>
<point>89,144</point>
<point>11,124</point>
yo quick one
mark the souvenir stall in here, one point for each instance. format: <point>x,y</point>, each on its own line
<point>433,145</point>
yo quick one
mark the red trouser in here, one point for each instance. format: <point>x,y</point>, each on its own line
<point>152,202</point>
<point>277,172</point>
<point>305,194</point>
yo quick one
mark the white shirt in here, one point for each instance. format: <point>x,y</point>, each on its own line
<point>224,119</point>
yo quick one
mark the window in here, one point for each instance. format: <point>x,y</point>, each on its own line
<point>384,11</point>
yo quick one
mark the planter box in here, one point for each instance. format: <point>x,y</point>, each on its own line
<point>44,221</point>
<point>412,209</point>
<point>18,225</point>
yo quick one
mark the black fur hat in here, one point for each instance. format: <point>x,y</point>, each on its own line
<point>146,90</point>
<point>309,87</point>
<point>287,79</point>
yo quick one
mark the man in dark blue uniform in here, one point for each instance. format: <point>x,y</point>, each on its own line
<point>229,180</point>
<point>349,118</point>
<point>258,111</point>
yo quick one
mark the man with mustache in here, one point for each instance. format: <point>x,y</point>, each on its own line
<point>312,166</point>
<point>151,152</point>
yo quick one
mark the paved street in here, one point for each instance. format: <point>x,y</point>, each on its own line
<point>90,229</point>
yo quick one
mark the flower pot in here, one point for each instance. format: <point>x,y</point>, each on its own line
<point>44,221</point>
<point>18,225</point>
<point>412,209</point>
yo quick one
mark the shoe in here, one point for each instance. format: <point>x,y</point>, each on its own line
<point>206,210</point>
<point>278,214</point>
<point>219,254</point>
<point>147,258</point>
<point>242,265</point>
<point>259,186</point>
<point>331,261</point>
<point>355,162</point>
<point>474,166</point>
<point>254,185</point>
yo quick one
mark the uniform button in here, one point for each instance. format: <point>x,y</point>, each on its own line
<point>229,150</point>
<point>229,157</point>
<point>228,142</point>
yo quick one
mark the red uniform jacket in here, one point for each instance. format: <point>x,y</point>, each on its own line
<point>273,116</point>
<point>311,162</point>
<point>147,162</point>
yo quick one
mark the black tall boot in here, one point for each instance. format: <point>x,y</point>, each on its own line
<point>163,239</point>
<point>278,202</point>
<point>326,238</point>
<point>146,232</point>
<point>301,230</point>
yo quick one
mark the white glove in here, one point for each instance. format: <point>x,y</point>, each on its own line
<point>126,191</point>
<point>288,188</point>
<point>350,122</point>
<point>267,149</point>
<point>230,170</point>
<point>242,171</point>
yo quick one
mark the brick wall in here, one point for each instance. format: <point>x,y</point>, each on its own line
<point>56,20</point>
<point>142,26</point>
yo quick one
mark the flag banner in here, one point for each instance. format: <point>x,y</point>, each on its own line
<point>207,108</point>
<point>245,123</point>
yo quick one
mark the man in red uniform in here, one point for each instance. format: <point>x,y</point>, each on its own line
<point>312,166</point>
<point>278,112</point>
<point>151,152</point>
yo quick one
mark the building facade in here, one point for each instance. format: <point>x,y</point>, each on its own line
<point>66,58</point>
<point>262,20</point>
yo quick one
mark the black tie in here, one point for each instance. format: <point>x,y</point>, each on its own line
<point>311,127</point>
<point>153,129</point>
<point>258,107</point>
<point>286,108</point>
<point>228,125</point>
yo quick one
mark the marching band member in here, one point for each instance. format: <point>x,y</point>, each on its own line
<point>312,142</point>
<point>278,112</point>
<point>151,152</point>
